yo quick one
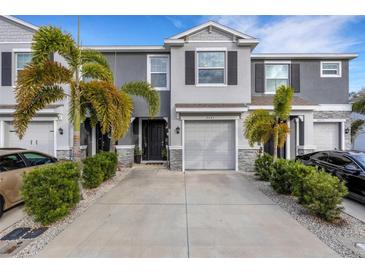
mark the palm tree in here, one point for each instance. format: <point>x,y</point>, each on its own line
<point>356,128</point>
<point>262,125</point>
<point>92,92</point>
<point>358,101</point>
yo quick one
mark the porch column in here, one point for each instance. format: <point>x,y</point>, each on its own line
<point>308,145</point>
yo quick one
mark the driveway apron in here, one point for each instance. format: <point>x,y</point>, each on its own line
<point>160,213</point>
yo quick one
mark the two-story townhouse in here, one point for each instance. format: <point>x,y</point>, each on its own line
<point>209,80</point>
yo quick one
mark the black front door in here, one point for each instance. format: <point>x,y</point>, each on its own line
<point>153,140</point>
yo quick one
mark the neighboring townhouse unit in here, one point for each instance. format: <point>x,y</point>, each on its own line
<point>208,80</point>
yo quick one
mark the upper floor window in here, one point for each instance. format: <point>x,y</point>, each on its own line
<point>21,60</point>
<point>275,76</point>
<point>211,67</point>
<point>330,69</point>
<point>158,71</point>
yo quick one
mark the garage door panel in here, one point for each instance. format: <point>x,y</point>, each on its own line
<point>38,136</point>
<point>209,145</point>
<point>327,136</point>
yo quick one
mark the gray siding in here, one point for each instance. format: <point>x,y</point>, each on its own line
<point>314,88</point>
<point>128,67</point>
<point>13,32</point>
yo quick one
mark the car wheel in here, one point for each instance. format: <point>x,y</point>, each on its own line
<point>2,202</point>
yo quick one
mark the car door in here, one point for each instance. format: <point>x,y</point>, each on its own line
<point>320,160</point>
<point>34,159</point>
<point>12,167</point>
<point>355,179</point>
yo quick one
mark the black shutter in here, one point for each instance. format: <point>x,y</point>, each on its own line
<point>189,67</point>
<point>232,67</point>
<point>260,78</point>
<point>6,69</point>
<point>295,77</point>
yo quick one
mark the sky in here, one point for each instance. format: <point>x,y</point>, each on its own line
<point>292,34</point>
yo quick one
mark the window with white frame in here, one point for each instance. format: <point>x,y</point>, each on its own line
<point>275,76</point>
<point>211,67</point>
<point>331,69</point>
<point>158,71</point>
<point>21,60</point>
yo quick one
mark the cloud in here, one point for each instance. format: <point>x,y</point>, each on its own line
<point>295,33</point>
<point>176,22</point>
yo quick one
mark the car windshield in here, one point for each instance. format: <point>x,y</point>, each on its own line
<point>360,159</point>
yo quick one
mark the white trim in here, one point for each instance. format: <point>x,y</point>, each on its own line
<point>183,143</point>
<point>304,55</point>
<point>42,111</point>
<point>333,107</point>
<point>329,120</point>
<point>175,147</point>
<point>93,141</point>
<point>247,42</point>
<point>214,110</point>
<point>15,57</point>
<point>213,24</point>
<point>22,50</point>
<point>20,22</point>
<point>2,133</point>
<point>210,41</point>
<point>209,118</point>
<point>16,42</point>
<point>339,71</point>
<point>149,56</point>
<point>34,119</point>
<point>124,146</point>
<point>297,135</point>
<point>225,69</point>
<point>342,128</point>
<point>268,63</point>
<point>271,107</point>
<point>55,138</point>
<point>307,147</point>
<point>236,143</point>
<point>277,62</point>
<point>128,48</point>
<point>287,151</point>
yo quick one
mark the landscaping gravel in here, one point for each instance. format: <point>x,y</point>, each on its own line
<point>29,248</point>
<point>342,237</point>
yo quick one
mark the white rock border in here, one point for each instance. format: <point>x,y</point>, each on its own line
<point>89,197</point>
<point>340,237</point>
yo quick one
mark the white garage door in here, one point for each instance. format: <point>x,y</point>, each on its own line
<point>209,145</point>
<point>39,136</point>
<point>327,136</point>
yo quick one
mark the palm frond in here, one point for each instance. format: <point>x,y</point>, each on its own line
<point>359,104</point>
<point>31,100</point>
<point>356,127</point>
<point>258,126</point>
<point>111,108</point>
<point>48,40</point>
<point>96,71</point>
<point>283,131</point>
<point>283,102</point>
<point>146,91</point>
<point>93,56</point>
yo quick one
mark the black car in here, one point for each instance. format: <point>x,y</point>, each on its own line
<point>346,165</point>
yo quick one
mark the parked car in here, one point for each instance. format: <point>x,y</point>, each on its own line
<point>346,165</point>
<point>13,163</point>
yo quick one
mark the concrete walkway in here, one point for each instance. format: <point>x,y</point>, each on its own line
<point>354,209</point>
<point>159,213</point>
<point>11,216</point>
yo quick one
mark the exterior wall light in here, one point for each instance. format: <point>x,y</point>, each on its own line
<point>60,131</point>
<point>177,130</point>
<point>347,130</point>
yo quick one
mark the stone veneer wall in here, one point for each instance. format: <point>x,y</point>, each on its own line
<point>66,154</point>
<point>175,157</point>
<point>337,115</point>
<point>125,156</point>
<point>246,159</point>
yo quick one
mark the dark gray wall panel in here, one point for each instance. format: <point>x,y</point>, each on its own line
<point>189,67</point>
<point>6,69</point>
<point>232,68</point>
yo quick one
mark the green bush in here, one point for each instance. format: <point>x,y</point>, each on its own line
<point>108,163</point>
<point>323,195</point>
<point>92,173</point>
<point>51,191</point>
<point>279,178</point>
<point>297,176</point>
<point>263,166</point>
<point>99,168</point>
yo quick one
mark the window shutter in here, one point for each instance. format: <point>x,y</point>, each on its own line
<point>259,78</point>
<point>189,67</point>
<point>232,67</point>
<point>295,77</point>
<point>6,69</point>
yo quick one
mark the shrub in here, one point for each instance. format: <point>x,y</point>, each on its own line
<point>297,176</point>
<point>263,166</point>
<point>92,173</point>
<point>323,195</point>
<point>51,191</point>
<point>108,163</point>
<point>279,178</point>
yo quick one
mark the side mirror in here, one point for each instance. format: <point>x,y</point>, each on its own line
<point>352,169</point>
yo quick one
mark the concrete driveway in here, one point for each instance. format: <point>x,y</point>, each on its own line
<point>159,213</point>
